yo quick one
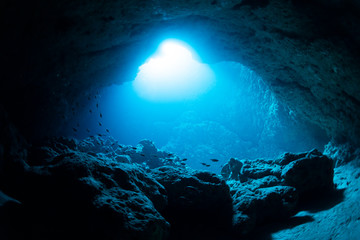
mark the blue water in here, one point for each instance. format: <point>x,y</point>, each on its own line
<point>238,117</point>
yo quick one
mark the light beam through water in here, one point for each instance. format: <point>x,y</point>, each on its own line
<point>173,74</point>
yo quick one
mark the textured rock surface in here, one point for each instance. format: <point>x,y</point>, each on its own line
<point>265,204</point>
<point>307,172</point>
<point>107,148</point>
<point>335,217</point>
<point>69,187</point>
<point>56,52</point>
<point>199,202</point>
<point>80,188</point>
<point>69,191</point>
<point>314,172</point>
<point>268,190</point>
<point>342,153</point>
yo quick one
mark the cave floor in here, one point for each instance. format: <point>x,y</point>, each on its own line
<point>336,217</point>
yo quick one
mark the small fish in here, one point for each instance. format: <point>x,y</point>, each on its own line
<point>100,115</point>
<point>134,148</point>
<point>183,163</point>
<point>169,159</point>
<point>100,124</point>
<point>154,155</point>
<point>214,160</point>
<point>184,159</point>
<point>87,130</point>
<point>74,129</point>
<point>206,165</point>
<point>142,155</point>
<point>170,154</point>
<point>90,111</point>
<point>97,105</point>
<point>100,135</point>
<point>120,146</point>
<point>107,130</point>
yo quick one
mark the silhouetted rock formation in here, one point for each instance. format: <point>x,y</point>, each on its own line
<point>68,186</point>
<point>198,202</point>
<point>266,190</point>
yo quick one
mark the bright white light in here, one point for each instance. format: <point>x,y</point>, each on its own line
<point>173,74</point>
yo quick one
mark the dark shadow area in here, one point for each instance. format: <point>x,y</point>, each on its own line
<point>321,201</point>
<point>207,234</point>
<point>11,220</point>
<point>264,232</point>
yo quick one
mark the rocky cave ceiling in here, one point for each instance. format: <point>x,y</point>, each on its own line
<point>56,52</point>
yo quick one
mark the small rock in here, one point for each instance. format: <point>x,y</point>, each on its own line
<point>231,170</point>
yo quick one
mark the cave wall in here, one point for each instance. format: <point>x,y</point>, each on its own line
<point>56,53</point>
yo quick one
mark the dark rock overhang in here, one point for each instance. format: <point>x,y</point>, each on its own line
<point>56,52</point>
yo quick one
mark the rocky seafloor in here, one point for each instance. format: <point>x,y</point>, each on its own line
<point>97,188</point>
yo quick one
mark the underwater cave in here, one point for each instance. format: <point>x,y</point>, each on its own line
<point>178,120</point>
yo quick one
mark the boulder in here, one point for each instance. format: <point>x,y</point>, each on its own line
<point>268,203</point>
<point>253,207</point>
<point>198,201</point>
<point>314,172</point>
<point>231,170</point>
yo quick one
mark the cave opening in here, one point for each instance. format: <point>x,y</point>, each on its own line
<point>173,73</point>
<point>230,157</point>
<point>198,111</point>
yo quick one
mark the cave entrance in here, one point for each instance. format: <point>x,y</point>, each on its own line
<point>236,115</point>
<point>173,73</point>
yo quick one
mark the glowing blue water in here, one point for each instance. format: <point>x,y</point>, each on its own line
<point>173,74</point>
<point>197,111</point>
